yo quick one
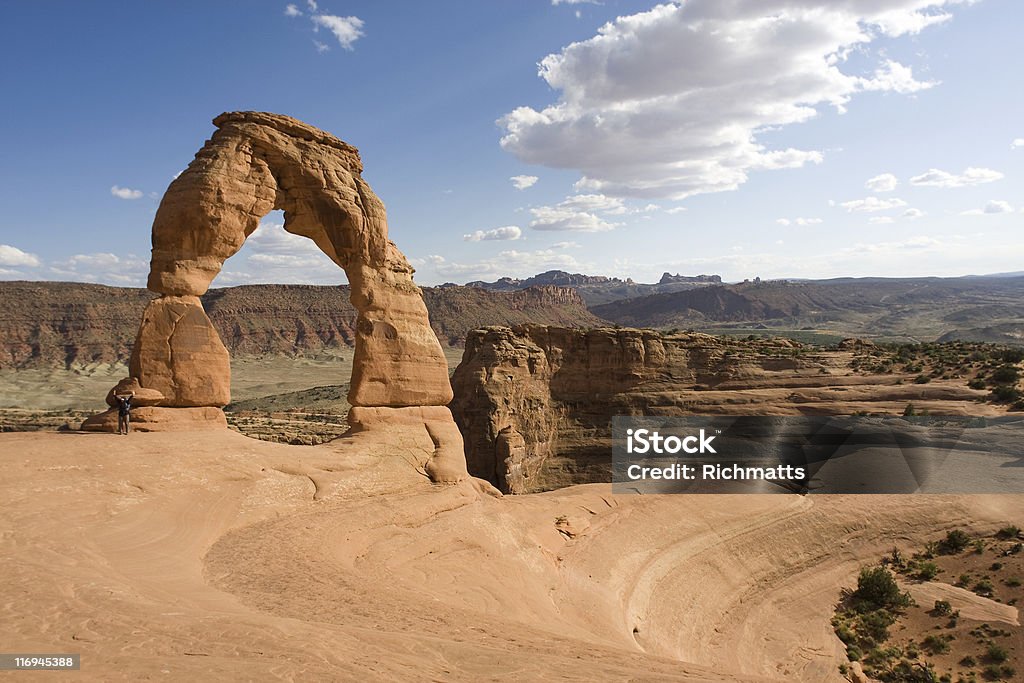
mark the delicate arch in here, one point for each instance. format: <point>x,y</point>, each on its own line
<point>255,163</point>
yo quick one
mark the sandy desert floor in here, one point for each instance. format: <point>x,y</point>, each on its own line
<point>208,554</point>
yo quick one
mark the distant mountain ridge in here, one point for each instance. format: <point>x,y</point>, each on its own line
<point>976,308</point>
<point>62,323</point>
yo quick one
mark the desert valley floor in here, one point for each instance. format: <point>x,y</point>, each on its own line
<point>209,555</point>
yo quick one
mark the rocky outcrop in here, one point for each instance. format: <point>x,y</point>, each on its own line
<point>254,163</point>
<point>50,324</point>
<point>179,354</point>
<point>535,403</point>
<point>140,397</point>
<point>155,419</point>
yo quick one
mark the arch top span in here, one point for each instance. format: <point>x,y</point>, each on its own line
<point>253,163</point>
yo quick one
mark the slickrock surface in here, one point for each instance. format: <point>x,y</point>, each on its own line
<point>209,556</point>
<point>535,403</point>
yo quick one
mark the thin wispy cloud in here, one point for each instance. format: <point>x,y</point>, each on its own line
<point>935,177</point>
<point>346,30</point>
<point>885,182</point>
<point>522,182</point>
<point>991,208</point>
<point>799,221</point>
<point>125,192</point>
<point>872,204</point>
<point>508,232</point>
<point>510,263</point>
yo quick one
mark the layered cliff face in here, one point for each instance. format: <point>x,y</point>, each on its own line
<point>48,324</point>
<point>535,403</point>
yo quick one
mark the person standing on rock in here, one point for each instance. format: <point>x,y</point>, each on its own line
<point>124,407</point>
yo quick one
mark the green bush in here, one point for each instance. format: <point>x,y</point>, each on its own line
<point>1005,393</point>
<point>926,571</point>
<point>877,589</point>
<point>997,653</point>
<point>1008,533</point>
<point>922,379</point>
<point>935,645</point>
<point>956,541</point>
<point>942,608</point>
<point>1006,374</point>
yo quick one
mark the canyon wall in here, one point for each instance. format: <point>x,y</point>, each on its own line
<point>535,403</point>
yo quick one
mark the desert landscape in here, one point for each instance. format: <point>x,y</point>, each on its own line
<point>556,341</point>
<point>352,536</point>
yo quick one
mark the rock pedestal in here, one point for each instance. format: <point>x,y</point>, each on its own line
<point>178,353</point>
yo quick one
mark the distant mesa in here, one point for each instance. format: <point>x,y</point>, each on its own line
<point>254,163</point>
<point>669,278</point>
<point>599,289</point>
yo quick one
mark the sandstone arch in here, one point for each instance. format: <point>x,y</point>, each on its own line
<point>254,163</point>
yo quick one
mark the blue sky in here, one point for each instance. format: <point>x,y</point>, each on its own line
<point>778,138</point>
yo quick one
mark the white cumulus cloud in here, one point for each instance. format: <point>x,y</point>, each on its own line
<point>872,204</point>
<point>346,29</point>
<point>913,213</point>
<point>521,182</point>
<point>125,192</point>
<point>885,182</point>
<point>564,218</point>
<point>671,102</point>
<point>292,11</point>
<point>508,232</point>
<point>1017,143</point>
<point>14,257</point>
<point>934,177</point>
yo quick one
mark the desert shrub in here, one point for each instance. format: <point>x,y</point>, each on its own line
<point>875,626</point>
<point>1013,582</point>
<point>956,541</point>
<point>1011,355</point>
<point>968,661</point>
<point>942,608</point>
<point>1005,393</point>
<point>935,644</point>
<point>996,566</point>
<point>1006,374</point>
<point>996,653</point>
<point>977,384</point>
<point>877,589</point>
<point>983,588</point>
<point>922,379</point>
<point>926,571</point>
<point>1008,532</point>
